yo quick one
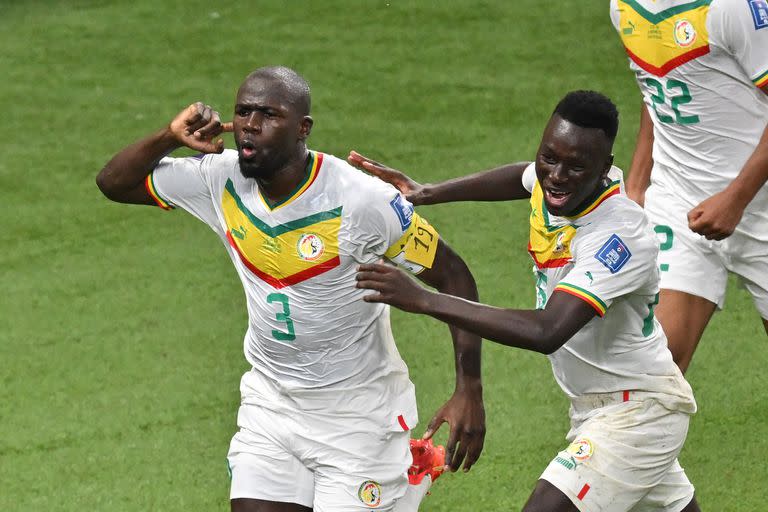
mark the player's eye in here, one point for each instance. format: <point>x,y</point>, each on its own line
<point>548,160</point>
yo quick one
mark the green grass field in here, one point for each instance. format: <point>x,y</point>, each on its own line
<point>121,344</point>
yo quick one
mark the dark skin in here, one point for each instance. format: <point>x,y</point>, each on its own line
<point>271,125</point>
<point>572,164</point>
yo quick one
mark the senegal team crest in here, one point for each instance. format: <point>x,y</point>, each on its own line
<point>581,449</point>
<point>310,247</point>
<point>370,493</point>
<point>684,33</point>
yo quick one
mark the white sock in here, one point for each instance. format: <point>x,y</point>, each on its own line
<point>413,495</point>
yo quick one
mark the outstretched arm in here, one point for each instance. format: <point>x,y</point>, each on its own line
<point>464,411</point>
<point>500,184</point>
<point>717,217</point>
<point>542,331</point>
<point>642,160</point>
<point>195,127</point>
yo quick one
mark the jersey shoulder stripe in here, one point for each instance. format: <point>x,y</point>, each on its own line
<point>761,80</point>
<point>149,185</point>
<point>661,42</point>
<point>590,298</point>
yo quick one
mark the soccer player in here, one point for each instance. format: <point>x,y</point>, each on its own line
<point>702,68</point>
<point>594,255</point>
<point>327,408</point>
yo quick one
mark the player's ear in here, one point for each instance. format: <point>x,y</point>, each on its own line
<point>305,128</point>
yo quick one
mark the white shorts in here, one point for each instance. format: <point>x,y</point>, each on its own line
<point>623,456</point>
<point>319,457</point>
<point>692,264</point>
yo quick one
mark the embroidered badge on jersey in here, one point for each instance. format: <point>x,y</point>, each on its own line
<point>614,254</point>
<point>403,209</point>
<point>759,13</point>
<point>581,449</point>
<point>369,493</point>
<point>285,254</point>
<point>660,42</point>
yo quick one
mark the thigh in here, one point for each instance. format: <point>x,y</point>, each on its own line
<point>683,317</point>
<point>618,456</point>
<point>262,465</point>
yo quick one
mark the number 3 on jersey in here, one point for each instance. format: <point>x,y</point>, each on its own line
<point>678,94</point>
<point>282,316</point>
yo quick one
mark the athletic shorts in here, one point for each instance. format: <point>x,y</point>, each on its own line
<point>692,264</point>
<point>317,456</point>
<point>623,455</point>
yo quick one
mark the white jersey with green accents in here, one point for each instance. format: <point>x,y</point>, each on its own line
<point>308,327</point>
<point>605,255</point>
<point>699,65</point>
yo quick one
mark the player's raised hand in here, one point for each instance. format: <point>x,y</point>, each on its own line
<point>394,287</point>
<point>198,127</point>
<point>465,415</point>
<point>716,217</point>
<point>412,190</point>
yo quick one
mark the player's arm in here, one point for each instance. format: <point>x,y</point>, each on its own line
<point>642,160</point>
<point>500,184</point>
<point>464,411</point>
<point>195,127</point>
<point>717,217</point>
<point>543,331</point>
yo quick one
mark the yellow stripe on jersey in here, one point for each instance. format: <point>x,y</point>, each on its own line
<point>285,254</point>
<point>590,298</point>
<point>660,42</point>
<point>418,245</point>
<point>549,246</point>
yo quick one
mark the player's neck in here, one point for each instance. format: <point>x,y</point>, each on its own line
<point>285,180</point>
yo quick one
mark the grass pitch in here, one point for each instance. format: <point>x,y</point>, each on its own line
<point>121,347</point>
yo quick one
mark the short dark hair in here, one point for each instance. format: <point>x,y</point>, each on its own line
<point>590,109</point>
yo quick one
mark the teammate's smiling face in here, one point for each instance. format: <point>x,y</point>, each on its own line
<point>572,165</point>
<point>269,126</point>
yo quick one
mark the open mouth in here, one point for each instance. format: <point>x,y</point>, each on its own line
<point>556,198</point>
<point>247,149</point>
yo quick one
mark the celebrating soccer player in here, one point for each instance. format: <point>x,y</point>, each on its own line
<point>702,68</point>
<point>594,255</point>
<point>328,405</point>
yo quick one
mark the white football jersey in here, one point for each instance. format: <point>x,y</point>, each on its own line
<point>309,328</point>
<point>699,65</point>
<point>606,256</point>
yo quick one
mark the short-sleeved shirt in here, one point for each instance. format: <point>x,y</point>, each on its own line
<point>699,65</point>
<point>308,328</point>
<point>606,256</point>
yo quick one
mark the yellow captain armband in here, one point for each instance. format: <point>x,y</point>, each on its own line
<point>416,249</point>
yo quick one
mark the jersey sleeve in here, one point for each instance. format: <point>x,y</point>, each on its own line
<point>384,224</point>
<point>183,183</point>
<point>742,26</point>
<point>609,264</point>
<point>529,177</point>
